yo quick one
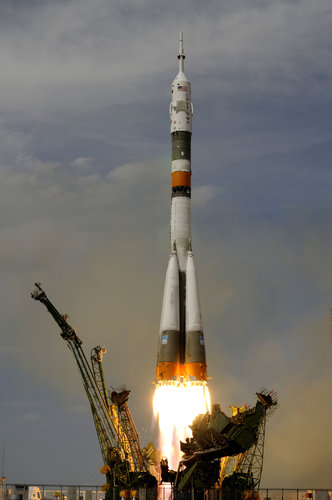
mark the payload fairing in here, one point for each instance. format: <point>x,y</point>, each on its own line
<point>181,352</point>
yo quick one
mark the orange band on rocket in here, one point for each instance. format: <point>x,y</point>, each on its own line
<point>173,371</point>
<point>181,178</point>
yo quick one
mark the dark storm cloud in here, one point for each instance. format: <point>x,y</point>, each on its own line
<point>84,208</point>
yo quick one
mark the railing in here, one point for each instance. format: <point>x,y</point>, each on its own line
<point>19,491</point>
<point>263,494</point>
<point>90,492</point>
<point>294,494</point>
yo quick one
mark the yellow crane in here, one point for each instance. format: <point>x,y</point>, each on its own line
<point>124,465</point>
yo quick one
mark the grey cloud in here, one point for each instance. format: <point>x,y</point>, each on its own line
<point>31,417</point>
<point>204,194</point>
<point>81,162</point>
<point>84,208</point>
<point>79,409</point>
<point>245,287</point>
<point>57,60</point>
<point>24,404</point>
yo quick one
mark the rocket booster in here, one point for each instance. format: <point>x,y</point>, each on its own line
<point>181,352</point>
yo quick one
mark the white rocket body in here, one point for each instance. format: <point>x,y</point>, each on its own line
<point>181,354</point>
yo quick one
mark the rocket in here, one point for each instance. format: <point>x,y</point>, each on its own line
<point>181,350</point>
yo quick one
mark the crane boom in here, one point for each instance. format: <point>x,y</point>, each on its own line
<point>126,429</point>
<point>120,400</point>
<point>117,436</point>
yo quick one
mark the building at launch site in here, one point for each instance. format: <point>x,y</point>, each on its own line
<point>218,454</point>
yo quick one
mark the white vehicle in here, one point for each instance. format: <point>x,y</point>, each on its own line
<point>23,492</point>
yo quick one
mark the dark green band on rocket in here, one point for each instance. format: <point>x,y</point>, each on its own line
<point>181,146</point>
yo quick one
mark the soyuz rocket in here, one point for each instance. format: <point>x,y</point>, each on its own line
<point>181,351</point>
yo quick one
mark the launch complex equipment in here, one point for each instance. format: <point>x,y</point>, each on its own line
<point>125,466</point>
<point>228,450</point>
<point>224,451</point>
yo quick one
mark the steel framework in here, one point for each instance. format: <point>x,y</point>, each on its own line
<point>117,435</point>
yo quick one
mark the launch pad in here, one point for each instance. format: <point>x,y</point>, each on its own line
<point>225,454</point>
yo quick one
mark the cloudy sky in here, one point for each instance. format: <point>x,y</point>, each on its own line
<point>85,208</point>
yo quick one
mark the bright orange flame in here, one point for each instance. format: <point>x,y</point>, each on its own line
<point>176,405</point>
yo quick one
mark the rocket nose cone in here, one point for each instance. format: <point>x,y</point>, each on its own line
<point>180,77</point>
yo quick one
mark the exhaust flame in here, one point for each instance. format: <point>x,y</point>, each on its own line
<point>176,405</point>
